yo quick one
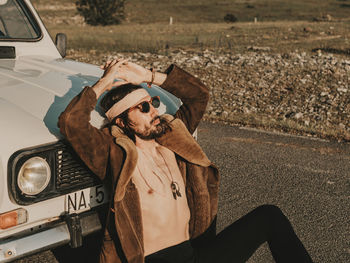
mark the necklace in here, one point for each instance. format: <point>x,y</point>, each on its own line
<point>174,186</point>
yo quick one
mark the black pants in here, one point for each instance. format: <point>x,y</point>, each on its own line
<point>239,241</point>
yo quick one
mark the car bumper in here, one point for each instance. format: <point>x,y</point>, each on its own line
<point>72,230</point>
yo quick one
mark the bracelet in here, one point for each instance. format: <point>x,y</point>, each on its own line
<point>149,84</point>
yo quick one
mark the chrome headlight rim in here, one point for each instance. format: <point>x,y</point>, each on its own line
<point>46,165</point>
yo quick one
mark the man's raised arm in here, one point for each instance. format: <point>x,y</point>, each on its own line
<point>91,144</point>
<point>192,92</point>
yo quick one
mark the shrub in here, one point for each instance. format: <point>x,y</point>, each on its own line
<point>230,18</point>
<point>101,12</point>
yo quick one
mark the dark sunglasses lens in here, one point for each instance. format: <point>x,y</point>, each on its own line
<point>145,107</point>
<point>155,102</point>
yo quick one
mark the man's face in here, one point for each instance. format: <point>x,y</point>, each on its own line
<point>146,125</point>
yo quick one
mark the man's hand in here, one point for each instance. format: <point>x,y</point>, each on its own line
<point>125,72</point>
<point>136,74</point>
<point>107,81</point>
<point>133,73</point>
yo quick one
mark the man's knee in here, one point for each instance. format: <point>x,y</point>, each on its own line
<point>272,212</point>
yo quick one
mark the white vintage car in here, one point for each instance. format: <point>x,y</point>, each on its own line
<point>47,195</point>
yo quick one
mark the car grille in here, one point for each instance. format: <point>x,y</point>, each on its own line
<point>71,172</point>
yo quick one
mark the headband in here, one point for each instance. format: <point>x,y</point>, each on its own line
<point>130,100</point>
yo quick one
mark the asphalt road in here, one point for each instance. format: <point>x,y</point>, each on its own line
<point>308,179</point>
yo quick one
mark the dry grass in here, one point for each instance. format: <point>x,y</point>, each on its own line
<point>154,11</point>
<point>282,25</point>
<point>279,36</point>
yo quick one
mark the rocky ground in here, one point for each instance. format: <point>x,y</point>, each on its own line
<point>294,92</point>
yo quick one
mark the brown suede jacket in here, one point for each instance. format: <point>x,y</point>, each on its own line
<point>110,152</point>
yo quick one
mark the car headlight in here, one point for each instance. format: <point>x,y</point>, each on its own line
<point>34,176</point>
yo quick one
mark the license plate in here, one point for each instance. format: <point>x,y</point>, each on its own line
<point>85,199</point>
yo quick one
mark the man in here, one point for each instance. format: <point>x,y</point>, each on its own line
<point>165,189</point>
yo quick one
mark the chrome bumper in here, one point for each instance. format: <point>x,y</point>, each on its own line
<point>60,234</point>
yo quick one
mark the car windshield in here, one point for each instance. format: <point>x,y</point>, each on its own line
<point>16,21</point>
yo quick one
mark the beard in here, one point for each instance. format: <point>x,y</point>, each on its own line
<point>160,129</point>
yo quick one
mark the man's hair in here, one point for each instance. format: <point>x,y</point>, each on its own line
<point>112,97</point>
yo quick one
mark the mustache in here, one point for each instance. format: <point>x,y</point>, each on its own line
<point>154,119</point>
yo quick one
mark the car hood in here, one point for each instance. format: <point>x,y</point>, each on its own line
<point>33,93</point>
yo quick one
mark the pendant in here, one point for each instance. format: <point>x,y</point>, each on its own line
<point>175,189</point>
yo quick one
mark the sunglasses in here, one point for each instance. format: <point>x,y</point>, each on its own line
<point>145,106</point>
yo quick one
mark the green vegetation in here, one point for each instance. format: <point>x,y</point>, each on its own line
<point>101,12</point>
